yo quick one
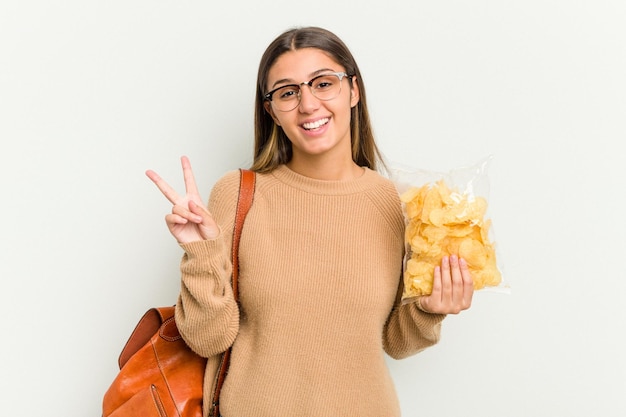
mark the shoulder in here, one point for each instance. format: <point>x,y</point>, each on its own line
<point>382,189</point>
<point>223,197</point>
<point>383,194</point>
<point>227,184</point>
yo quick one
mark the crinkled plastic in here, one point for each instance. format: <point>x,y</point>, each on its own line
<point>446,213</point>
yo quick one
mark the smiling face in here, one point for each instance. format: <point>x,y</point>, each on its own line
<point>315,128</point>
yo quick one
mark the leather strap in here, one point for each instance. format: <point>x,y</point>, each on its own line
<point>244,202</point>
<point>246,195</point>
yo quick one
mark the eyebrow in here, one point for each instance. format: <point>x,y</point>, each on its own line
<point>312,75</point>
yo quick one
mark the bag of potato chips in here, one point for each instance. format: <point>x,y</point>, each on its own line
<point>446,213</point>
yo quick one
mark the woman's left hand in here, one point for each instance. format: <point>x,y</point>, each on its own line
<point>453,288</point>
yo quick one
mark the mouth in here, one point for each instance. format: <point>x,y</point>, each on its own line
<point>316,124</point>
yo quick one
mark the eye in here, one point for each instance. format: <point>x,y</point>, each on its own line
<point>324,82</point>
<point>287,92</point>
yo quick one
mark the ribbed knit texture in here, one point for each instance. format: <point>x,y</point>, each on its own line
<point>319,288</point>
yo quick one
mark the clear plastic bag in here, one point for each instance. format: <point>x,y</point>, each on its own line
<point>447,213</point>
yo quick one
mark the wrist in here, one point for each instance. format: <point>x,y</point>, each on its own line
<point>418,304</point>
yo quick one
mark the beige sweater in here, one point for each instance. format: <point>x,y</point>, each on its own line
<point>319,288</point>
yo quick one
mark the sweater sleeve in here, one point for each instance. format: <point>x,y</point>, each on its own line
<point>207,314</point>
<point>409,330</point>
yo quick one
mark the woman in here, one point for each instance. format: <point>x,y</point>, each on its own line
<point>320,255</point>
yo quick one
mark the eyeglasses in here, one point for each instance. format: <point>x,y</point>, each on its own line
<point>324,87</point>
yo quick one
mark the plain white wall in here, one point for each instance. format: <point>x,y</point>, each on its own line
<point>93,93</point>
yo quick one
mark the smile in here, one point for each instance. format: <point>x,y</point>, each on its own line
<point>316,124</point>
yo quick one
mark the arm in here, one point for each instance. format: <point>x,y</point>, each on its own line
<point>207,315</point>
<point>410,330</point>
<point>415,326</point>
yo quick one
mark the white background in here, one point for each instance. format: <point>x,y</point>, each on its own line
<point>93,93</point>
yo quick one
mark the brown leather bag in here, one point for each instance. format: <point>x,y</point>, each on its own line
<point>159,374</point>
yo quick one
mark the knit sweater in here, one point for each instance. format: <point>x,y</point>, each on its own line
<point>319,297</point>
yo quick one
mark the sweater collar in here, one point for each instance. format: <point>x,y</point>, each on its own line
<point>364,182</point>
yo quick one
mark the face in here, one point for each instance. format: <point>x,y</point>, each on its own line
<point>316,128</point>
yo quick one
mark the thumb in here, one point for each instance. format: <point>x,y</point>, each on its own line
<point>207,226</point>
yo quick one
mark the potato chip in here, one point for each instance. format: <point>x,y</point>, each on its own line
<point>432,201</point>
<point>434,233</point>
<point>461,230</point>
<point>442,222</point>
<point>438,217</point>
<point>419,244</point>
<point>473,252</point>
<point>416,276</point>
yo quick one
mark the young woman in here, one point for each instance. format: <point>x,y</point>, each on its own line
<point>320,255</point>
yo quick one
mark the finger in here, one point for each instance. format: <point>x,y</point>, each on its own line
<point>437,290</point>
<point>198,209</point>
<point>165,188</point>
<point>173,219</point>
<point>190,180</point>
<point>456,279</point>
<point>468,282</point>
<point>432,302</point>
<point>446,281</point>
<point>186,214</point>
<point>201,213</point>
<point>208,228</point>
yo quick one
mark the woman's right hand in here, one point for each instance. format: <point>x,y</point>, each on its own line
<point>189,220</point>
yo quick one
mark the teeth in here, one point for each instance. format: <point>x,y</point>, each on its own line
<point>316,124</point>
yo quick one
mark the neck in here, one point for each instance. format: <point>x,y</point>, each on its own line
<point>325,169</point>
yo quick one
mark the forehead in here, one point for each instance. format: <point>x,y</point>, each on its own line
<point>300,65</point>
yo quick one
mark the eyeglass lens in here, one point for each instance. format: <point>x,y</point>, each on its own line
<point>324,87</point>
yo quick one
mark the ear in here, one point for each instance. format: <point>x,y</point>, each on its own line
<point>268,108</point>
<point>354,92</point>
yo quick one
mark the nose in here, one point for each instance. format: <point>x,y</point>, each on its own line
<point>308,102</point>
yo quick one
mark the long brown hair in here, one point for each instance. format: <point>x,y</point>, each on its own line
<point>271,145</point>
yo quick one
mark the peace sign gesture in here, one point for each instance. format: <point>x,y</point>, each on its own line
<point>189,220</point>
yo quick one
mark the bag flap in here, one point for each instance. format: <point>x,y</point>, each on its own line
<point>147,327</point>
